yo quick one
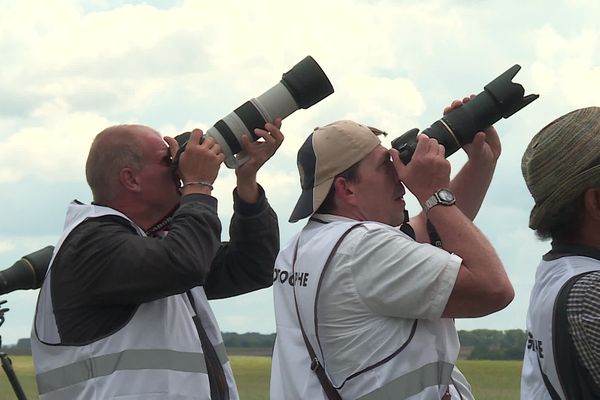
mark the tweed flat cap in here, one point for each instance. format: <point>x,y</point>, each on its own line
<point>562,161</point>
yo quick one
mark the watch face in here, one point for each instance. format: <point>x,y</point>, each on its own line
<point>445,195</point>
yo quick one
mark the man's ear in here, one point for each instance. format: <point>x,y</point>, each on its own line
<point>344,190</point>
<point>592,203</point>
<point>129,179</point>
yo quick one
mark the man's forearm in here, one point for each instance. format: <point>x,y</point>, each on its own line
<point>470,186</point>
<point>137,269</point>
<point>246,262</point>
<point>482,285</point>
<point>248,190</point>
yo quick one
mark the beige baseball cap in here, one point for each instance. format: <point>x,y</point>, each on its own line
<point>327,152</point>
<point>562,161</point>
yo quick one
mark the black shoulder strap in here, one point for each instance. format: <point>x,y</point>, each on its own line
<point>216,376</point>
<point>574,378</point>
<point>406,228</point>
<point>553,394</point>
<point>315,364</point>
<point>434,237</point>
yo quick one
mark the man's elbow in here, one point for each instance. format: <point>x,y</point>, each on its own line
<point>262,275</point>
<point>266,280</point>
<point>500,297</point>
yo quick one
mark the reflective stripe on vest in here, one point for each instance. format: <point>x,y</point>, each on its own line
<point>414,382</point>
<point>96,367</point>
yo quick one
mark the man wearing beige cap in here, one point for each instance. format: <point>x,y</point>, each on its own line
<point>561,167</point>
<point>363,310</point>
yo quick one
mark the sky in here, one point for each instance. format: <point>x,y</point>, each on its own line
<point>72,68</point>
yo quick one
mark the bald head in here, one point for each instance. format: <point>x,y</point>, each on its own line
<point>113,149</point>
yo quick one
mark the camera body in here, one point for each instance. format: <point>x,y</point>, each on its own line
<point>301,87</point>
<point>500,98</point>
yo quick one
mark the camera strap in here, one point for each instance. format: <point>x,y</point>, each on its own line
<point>315,365</point>
<point>406,228</point>
<point>434,237</point>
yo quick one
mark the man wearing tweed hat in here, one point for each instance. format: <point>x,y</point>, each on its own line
<point>561,167</point>
<point>366,306</point>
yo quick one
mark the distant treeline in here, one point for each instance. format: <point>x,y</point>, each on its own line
<point>248,340</point>
<point>478,344</point>
<point>488,344</point>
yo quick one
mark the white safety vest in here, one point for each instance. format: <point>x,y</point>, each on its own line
<point>421,369</point>
<point>550,277</point>
<point>156,355</point>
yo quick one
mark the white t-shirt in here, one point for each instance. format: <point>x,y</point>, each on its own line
<point>377,283</point>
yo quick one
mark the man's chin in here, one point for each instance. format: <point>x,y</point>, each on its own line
<point>401,216</point>
<point>401,204</point>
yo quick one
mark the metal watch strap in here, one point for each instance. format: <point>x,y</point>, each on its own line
<point>438,198</point>
<point>431,202</point>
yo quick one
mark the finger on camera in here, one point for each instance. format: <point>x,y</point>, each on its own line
<point>261,134</point>
<point>275,137</point>
<point>422,143</point>
<point>208,142</point>
<point>196,135</point>
<point>216,149</point>
<point>441,150</point>
<point>173,145</point>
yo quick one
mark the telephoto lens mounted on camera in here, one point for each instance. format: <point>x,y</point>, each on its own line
<point>500,98</point>
<point>301,87</point>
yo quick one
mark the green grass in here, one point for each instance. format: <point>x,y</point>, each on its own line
<point>490,380</point>
<point>23,368</point>
<point>493,380</point>
<point>252,376</point>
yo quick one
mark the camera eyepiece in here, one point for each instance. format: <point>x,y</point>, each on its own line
<point>500,98</point>
<point>301,87</point>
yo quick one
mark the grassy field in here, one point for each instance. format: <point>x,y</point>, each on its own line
<point>491,380</point>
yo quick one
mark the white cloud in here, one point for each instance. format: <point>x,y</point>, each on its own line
<point>389,104</point>
<point>54,149</point>
<point>567,65</point>
<point>6,246</point>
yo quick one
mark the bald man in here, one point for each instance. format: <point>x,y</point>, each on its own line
<point>123,311</point>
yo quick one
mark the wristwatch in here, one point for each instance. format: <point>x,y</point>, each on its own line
<point>442,196</point>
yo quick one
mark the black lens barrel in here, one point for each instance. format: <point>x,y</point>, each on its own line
<point>500,98</point>
<point>307,83</point>
<point>27,273</point>
<point>464,122</point>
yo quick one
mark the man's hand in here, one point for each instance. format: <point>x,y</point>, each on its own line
<point>427,171</point>
<point>258,152</point>
<point>485,147</point>
<point>200,162</point>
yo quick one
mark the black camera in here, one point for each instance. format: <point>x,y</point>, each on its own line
<point>301,87</point>
<point>500,98</point>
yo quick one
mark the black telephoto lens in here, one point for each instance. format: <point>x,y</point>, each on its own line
<point>27,273</point>
<point>500,98</point>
